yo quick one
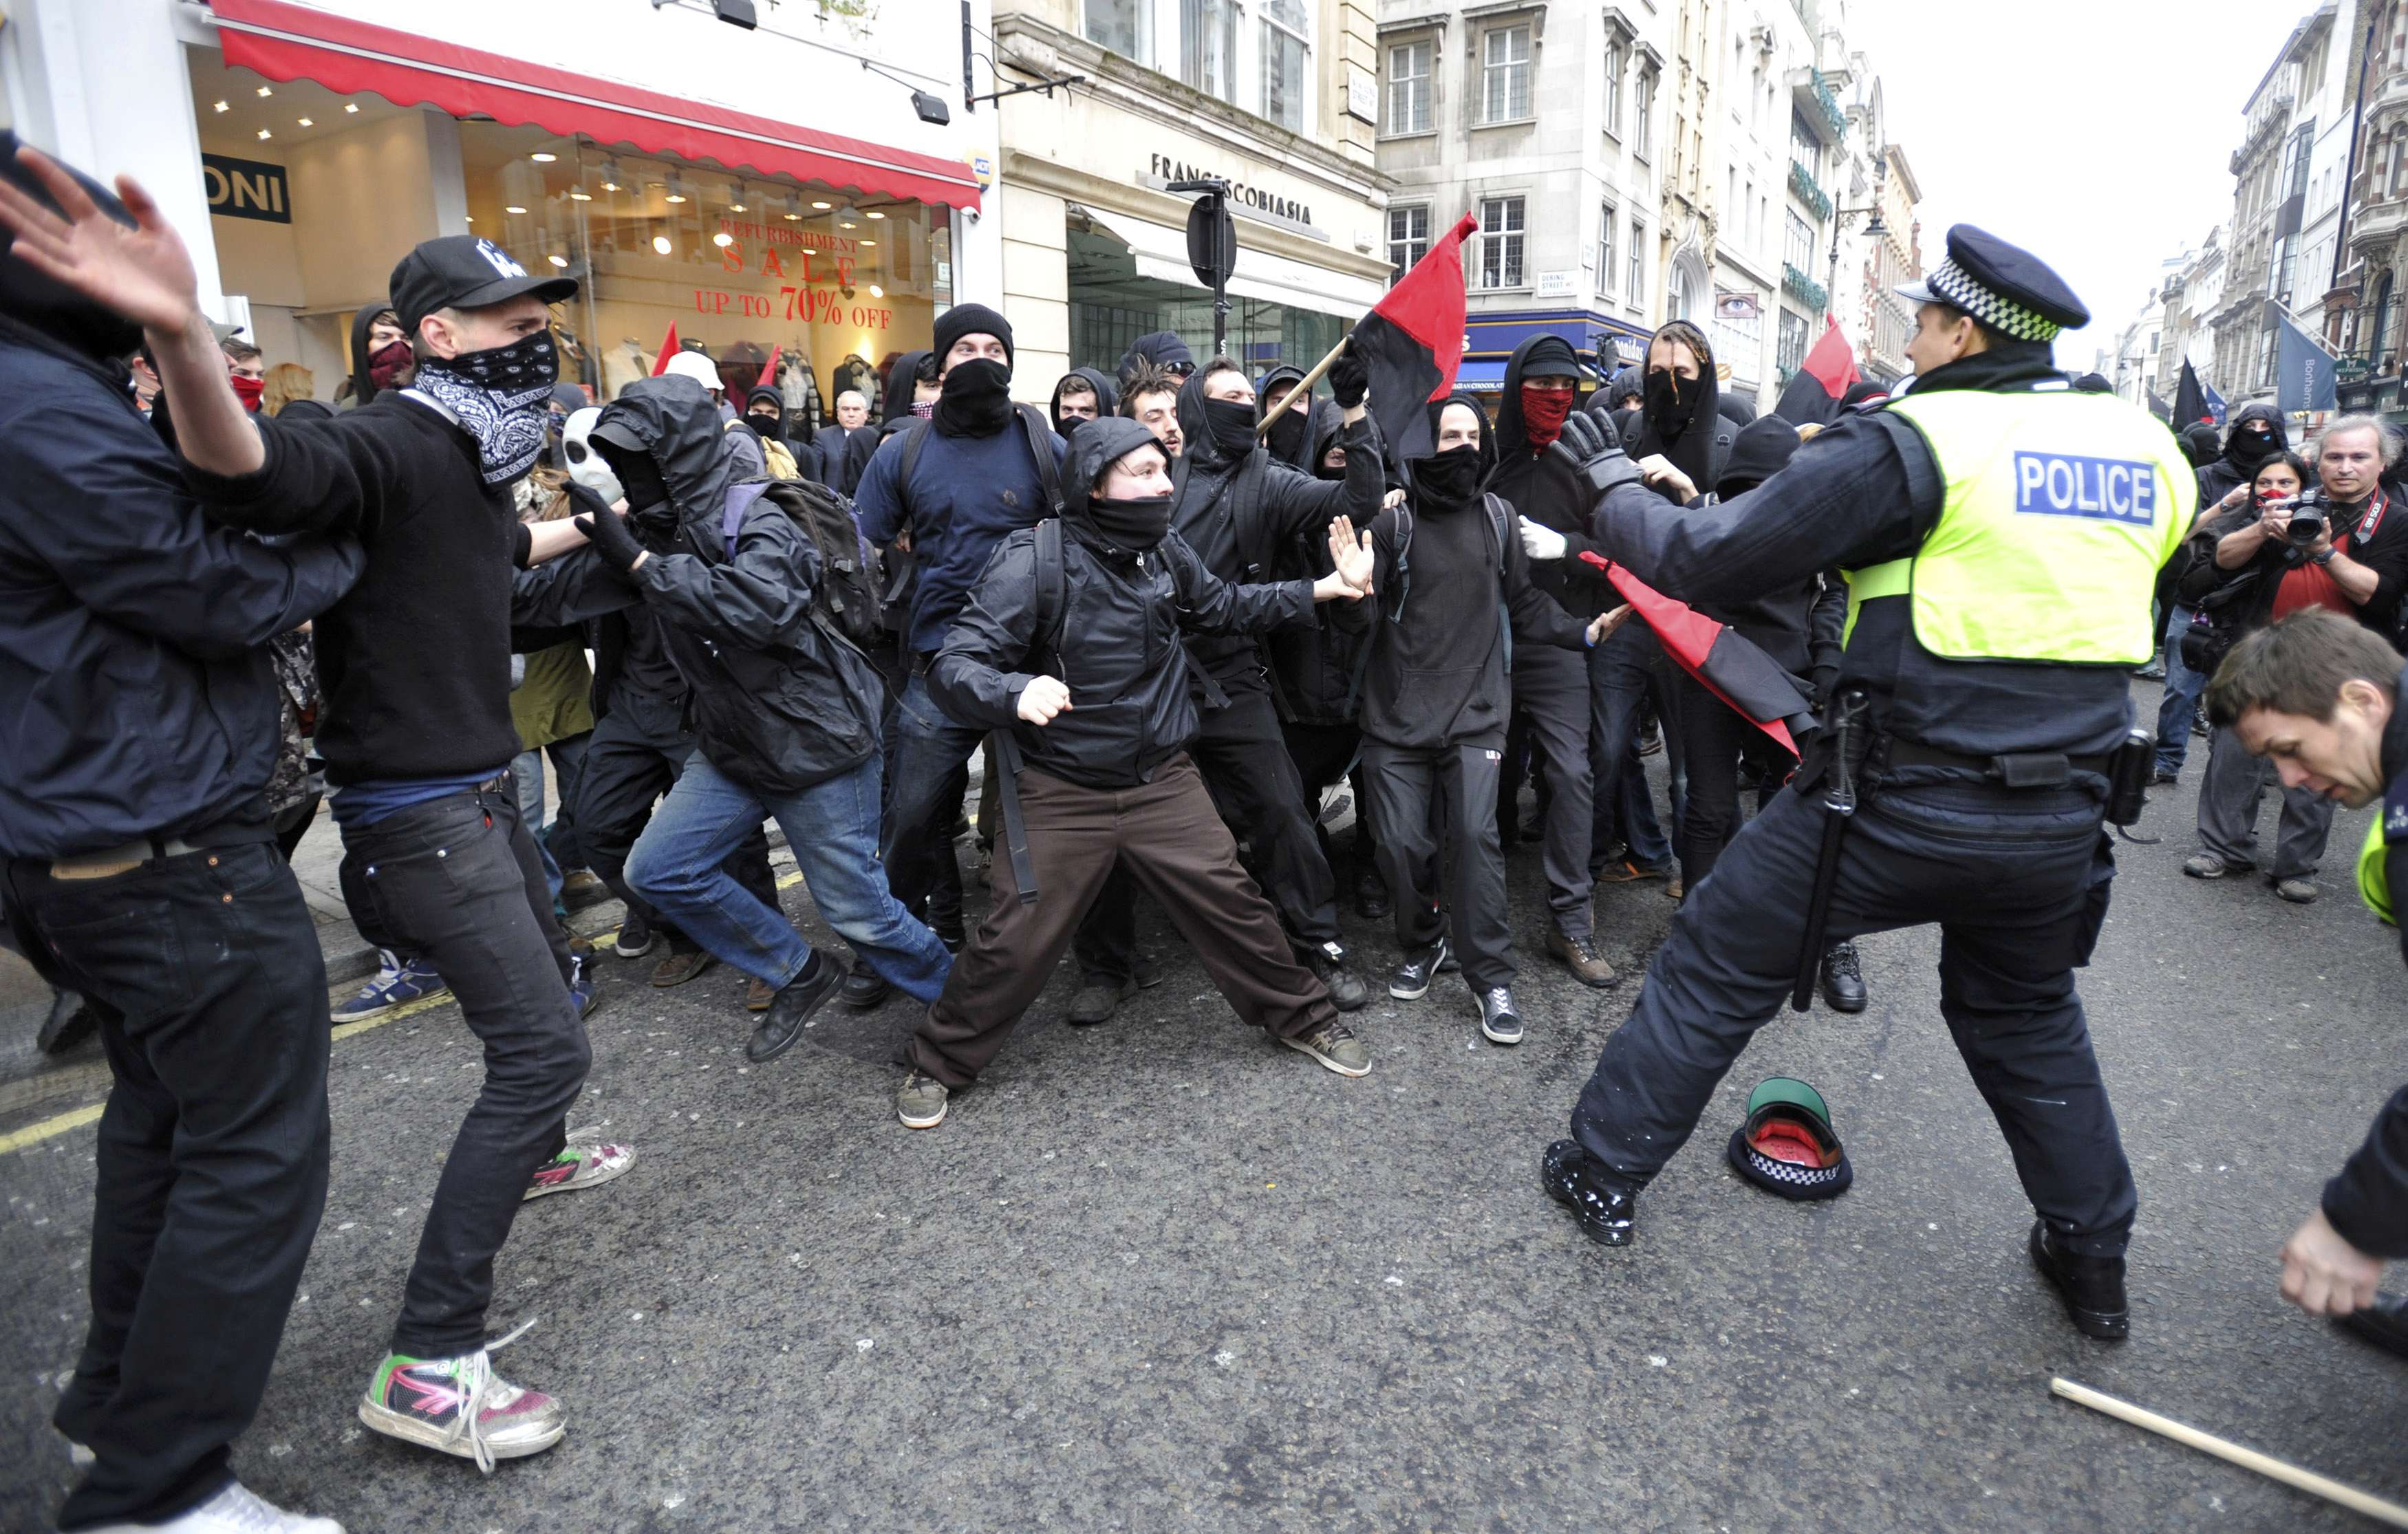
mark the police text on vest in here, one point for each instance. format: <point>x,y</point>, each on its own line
<point>2060,484</point>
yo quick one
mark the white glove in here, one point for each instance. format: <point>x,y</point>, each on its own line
<point>1542,544</point>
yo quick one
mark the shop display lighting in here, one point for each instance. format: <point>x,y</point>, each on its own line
<point>559,260</point>
<point>661,243</point>
<point>542,159</point>
<point>877,291</point>
<point>822,206</point>
<point>848,217</point>
<point>352,106</point>
<point>875,214</point>
<point>609,173</point>
<point>221,105</point>
<point>266,90</point>
<point>723,239</point>
<point>578,195</point>
<point>307,123</point>
<point>265,134</point>
<point>738,206</point>
<point>513,209</point>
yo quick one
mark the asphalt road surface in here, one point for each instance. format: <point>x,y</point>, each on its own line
<point>1164,1275</point>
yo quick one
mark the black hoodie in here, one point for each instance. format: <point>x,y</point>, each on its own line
<point>894,413</point>
<point>1160,348</point>
<point>359,388</point>
<point>1437,674</point>
<point>1290,437</point>
<point>1571,583</point>
<point>2239,464</point>
<point>1704,441</point>
<point>1108,396</point>
<point>1120,629</point>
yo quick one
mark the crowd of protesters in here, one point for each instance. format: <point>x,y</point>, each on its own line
<point>1173,613</point>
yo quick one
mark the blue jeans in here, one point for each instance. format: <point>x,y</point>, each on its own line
<point>679,866</point>
<point>2183,687</point>
<point>567,761</point>
<point>1623,672</point>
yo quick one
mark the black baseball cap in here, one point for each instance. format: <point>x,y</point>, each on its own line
<point>464,271</point>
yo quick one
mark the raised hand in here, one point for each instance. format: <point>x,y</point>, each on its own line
<point>144,272</point>
<point>1043,698</point>
<point>1352,555</point>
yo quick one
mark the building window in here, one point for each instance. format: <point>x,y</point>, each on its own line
<point>1804,146</point>
<point>1409,88</point>
<point>1605,221</point>
<point>1288,59</point>
<point>1208,47</point>
<point>1123,26</point>
<point>1789,345</point>
<point>1637,288</point>
<point>1797,242</point>
<point>1505,74</point>
<point>1642,126</point>
<point>1617,58</point>
<point>1682,302</point>
<point>1500,242</point>
<point>1407,237</point>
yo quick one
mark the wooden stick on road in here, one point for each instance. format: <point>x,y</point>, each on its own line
<point>1304,389</point>
<point>2250,1459</point>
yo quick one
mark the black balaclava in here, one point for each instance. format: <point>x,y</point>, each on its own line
<point>1120,529</point>
<point>51,308</point>
<point>977,399</point>
<point>1446,481</point>
<point>1159,349</point>
<point>1218,431</point>
<point>2199,444</point>
<point>2246,451</point>
<point>1289,436</point>
<point>771,422</point>
<point>1763,447</point>
<point>1327,422</point>
<point>1681,415</point>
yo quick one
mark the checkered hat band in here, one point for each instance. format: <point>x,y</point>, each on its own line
<point>1953,284</point>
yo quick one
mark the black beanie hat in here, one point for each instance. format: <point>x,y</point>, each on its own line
<point>1758,453</point>
<point>971,320</point>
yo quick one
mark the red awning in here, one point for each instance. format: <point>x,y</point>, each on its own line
<point>286,41</point>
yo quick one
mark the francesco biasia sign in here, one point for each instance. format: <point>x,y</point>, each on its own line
<point>1255,198</point>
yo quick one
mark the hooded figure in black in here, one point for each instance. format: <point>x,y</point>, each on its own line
<point>1241,509</point>
<point>780,706</point>
<point>1551,686</point>
<point>1093,707</point>
<point>2200,444</point>
<point>1682,417</point>
<point>2245,451</point>
<point>373,370</point>
<point>1161,349</point>
<point>765,411</point>
<point>1456,604</point>
<point>1107,392</point>
<point>1290,437</point>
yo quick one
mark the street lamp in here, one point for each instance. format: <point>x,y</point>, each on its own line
<point>1875,228</point>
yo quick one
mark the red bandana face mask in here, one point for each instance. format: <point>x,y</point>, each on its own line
<point>247,390</point>
<point>1542,415</point>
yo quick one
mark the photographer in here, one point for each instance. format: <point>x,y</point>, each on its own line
<point>2338,546</point>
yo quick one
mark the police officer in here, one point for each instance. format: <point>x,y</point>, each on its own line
<point>2001,533</point>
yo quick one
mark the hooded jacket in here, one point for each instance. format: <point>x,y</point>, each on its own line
<point>1290,438</point>
<point>2220,477</point>
<point>778,703</point>
<point>1108,396</point>
<point>1799,625</point>
<point>1437,675</point>
<point>1241,515</point>
<point>893,414</point>
<point>359,388</point>
<point>1701,448</point>
<point>1159,349</point>
<point>1123,618</point>
<point>1572,584</point>
<point>1312,669</point>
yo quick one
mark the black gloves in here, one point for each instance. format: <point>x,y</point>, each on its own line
<point>1350,381</point>
<point>1585,436</point>
<point>610,538</point>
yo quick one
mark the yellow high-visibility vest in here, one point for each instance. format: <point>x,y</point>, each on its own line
<point>2061,507</point>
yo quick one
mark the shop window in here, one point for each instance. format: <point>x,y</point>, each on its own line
<point>1287,61</point>
<point>1408,237</point>
<point>1409,88</point>
<point>1124,26</point>
<point>816,288</point>
<point>1606,218</point>
<point>1505,74</point>
<point>1208,47</point>
<point>1500,242</point>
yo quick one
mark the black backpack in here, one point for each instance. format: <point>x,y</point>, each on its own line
<point>845,600</point>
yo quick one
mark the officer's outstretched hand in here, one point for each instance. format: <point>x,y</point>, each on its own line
<point>1606,624</point>
<point>1043,698</point>
<point>2323,1275</point>
<point>1585,436</point>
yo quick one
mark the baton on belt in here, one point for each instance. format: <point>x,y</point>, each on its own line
<point>1846,725</point>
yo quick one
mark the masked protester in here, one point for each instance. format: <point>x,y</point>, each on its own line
<point>949,490</point>
<point>1456,607</point>
<point>145,709</point>
<point>1083,395</point>
<point>764,413</point>
<point>2256,435</point>
<point>381,357</point>
<point>1163,351</point>
<point>1240,508</point>
<point>1099,768</point>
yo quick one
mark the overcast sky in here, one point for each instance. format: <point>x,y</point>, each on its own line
<point>2093,132</point>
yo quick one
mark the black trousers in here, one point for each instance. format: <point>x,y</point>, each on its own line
<point>1551,694</point>
<point>1712,739</point>
<point>628,766</point>
<point>457,880</point>
<point>2018,882</point>
<point>1244,760</point>
<point>1437,831</point>
<point>205,975</point>
<point>1323,754</point>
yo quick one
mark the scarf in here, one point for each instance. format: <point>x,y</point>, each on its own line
<point>1543,411</point>
<point>977,399</point>
<point>498,396</point>
<point>1134,525</point>
<point>1451,478</point>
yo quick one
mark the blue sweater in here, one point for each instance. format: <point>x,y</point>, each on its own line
<point>966,495</point>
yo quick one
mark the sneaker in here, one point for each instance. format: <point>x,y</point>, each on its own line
<point>635,935</point>
<point>460,1406</point>
<point>585,1162</point>
<point>2164,778</point>
<point>1347,992</point>
<point>1336,1047</point>
<point>1412,980</point>
<point>1571,1178</point>
<point>2209,866</point>
<point>1100,996</point>
<point>2299,892</point>
<point>584,987</point>
<point>1580,956</point>
<point>234,1510</point>
<point>399,982</point>
<point>2154,671</point>
<point>1624,870</point>
<point>1371,896</point>
<point>1844,979</point>
<point>790,1011</point>
<point>1499,1020</point>
<point>921,1101</point>
<point>758,994</point>
<point>2200,726</point>
<point>682,964</point>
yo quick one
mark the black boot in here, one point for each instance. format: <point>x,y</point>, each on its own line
<point>2091,1287</point>
<point>2384,1324</point>
<point>790,1011</point>
<point>864,987</point>
<point>69,1026</point>
<point>1608,1216</point>
<point>1844,981</point>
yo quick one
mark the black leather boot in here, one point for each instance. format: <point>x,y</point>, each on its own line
<point>1843,980</point>
<point>1608,1216</point>
<point>790,1011</point>
<point>2091,1287</point>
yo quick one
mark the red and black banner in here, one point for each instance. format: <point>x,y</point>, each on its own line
<point>1726,664</point>
<point>1812,397</point>
<point>1413,343</point>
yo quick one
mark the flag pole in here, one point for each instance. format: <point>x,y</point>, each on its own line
<point>1304,389</point>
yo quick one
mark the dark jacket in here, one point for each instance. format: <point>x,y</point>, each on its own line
<point>359,388</point>
<point>1578,586</point>
<point>2252,589</point>
<point>1290,438</point>
<point>1437,672</point>
<point>141,696</point>
<point>1239,515</point>
<point>778,703</point>
<point>2220,476</point>
<point>1312,669</point>
<point>1797,624</point>
<point>2368,1202</point>
<point>1132,707</point>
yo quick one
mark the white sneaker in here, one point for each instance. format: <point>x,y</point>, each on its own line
<point>234,1510</point>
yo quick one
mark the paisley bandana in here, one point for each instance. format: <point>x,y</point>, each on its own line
<point>500,398</point>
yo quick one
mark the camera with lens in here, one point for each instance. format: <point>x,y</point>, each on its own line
<point>2307,523</point>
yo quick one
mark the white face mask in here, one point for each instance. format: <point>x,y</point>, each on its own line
<point>585,466</point>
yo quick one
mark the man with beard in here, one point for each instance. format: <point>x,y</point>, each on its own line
<point>1455,601</point>
<point>949,491</point>
<point>1985,685</point>
<point>1082,394</point>
<point>1069,650</point>
<point>1238,508</point>
<point>1551,685</point>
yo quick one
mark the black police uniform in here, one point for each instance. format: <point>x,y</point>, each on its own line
<point>2016,877</point>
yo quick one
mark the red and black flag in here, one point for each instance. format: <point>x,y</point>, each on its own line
<point>1725,663</point>
<point>1411,342</point>
<point>1812,397</point>
<point>2191,408</point>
